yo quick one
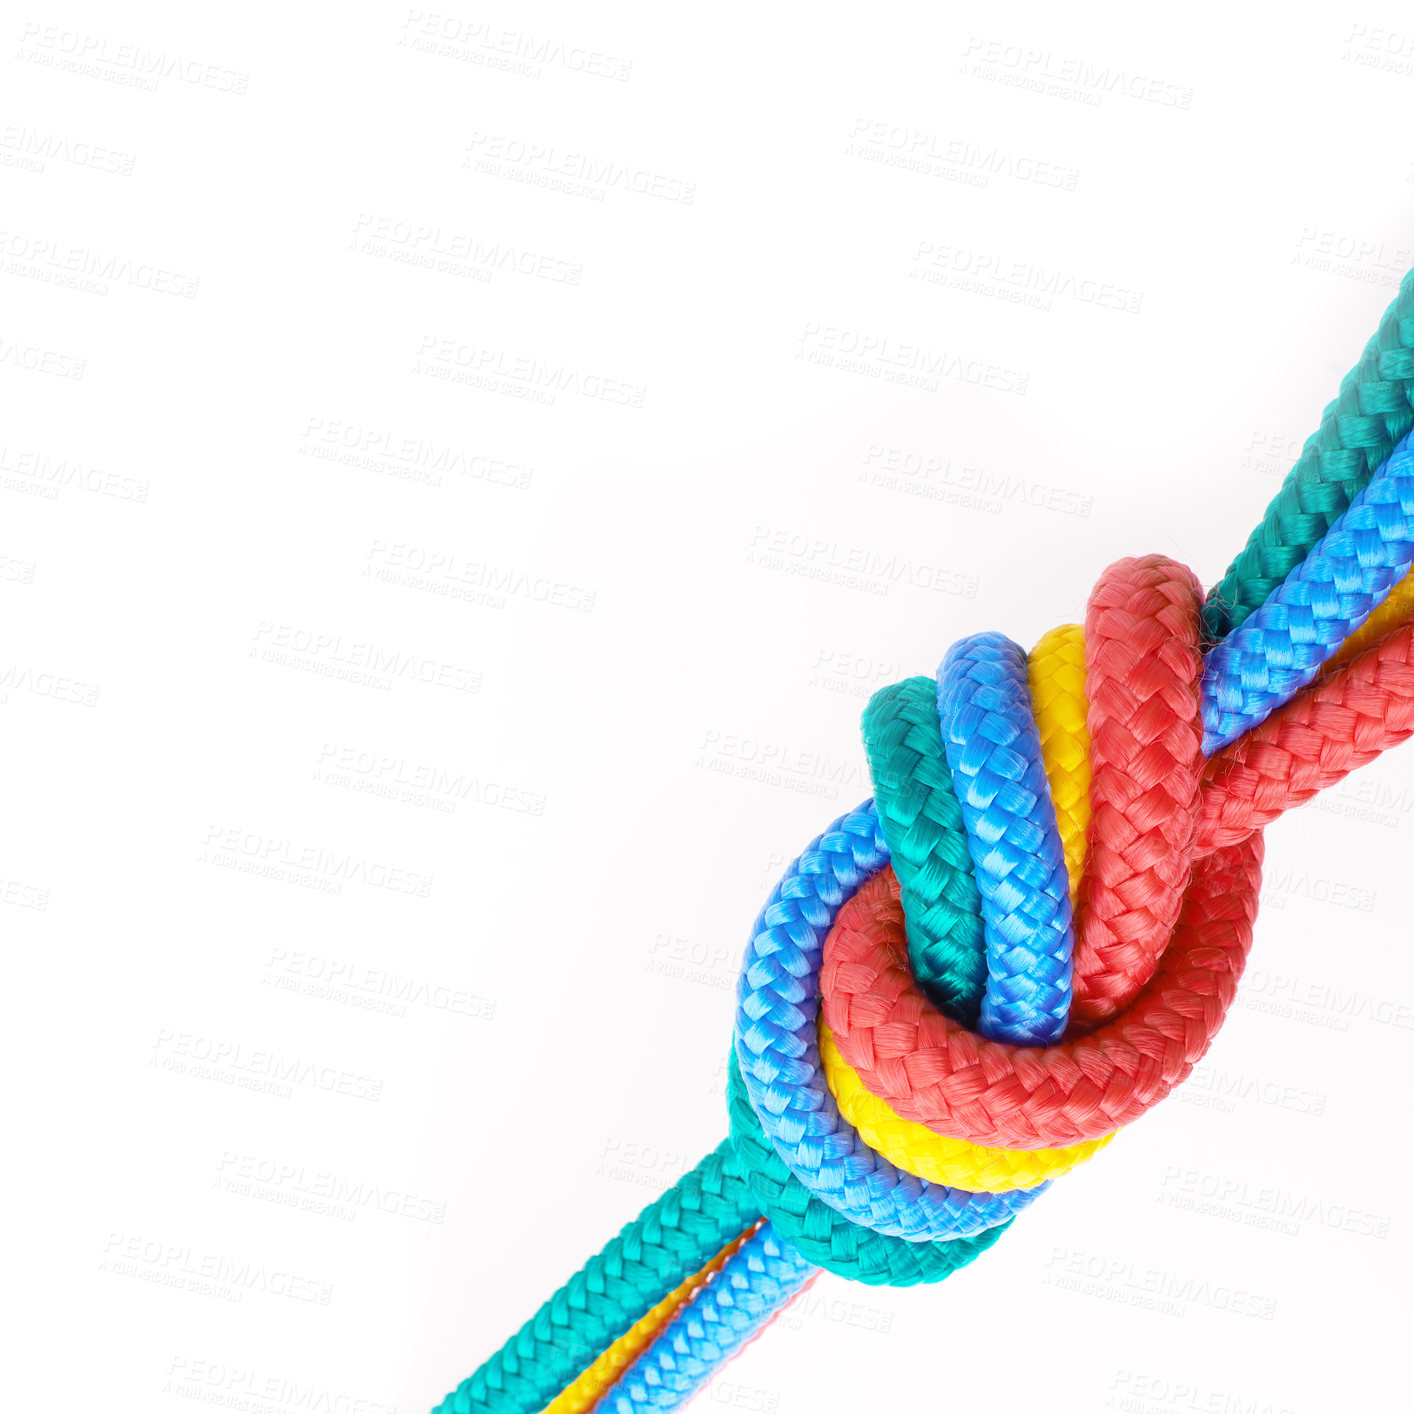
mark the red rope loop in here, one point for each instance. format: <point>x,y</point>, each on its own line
<point>1143,672</point>
<point>1169,897</point>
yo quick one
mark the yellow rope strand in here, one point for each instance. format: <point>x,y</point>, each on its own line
<point>1385,619</point>
<point>584,1393</point>
<point>937,1157</point>
<point>1055,672</point>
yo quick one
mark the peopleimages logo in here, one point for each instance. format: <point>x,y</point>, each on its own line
<point>99,56</point>
<point>953,158</point>
<point>231,1386</point>
<point>175,1264</point>
<point>1265,1205</point>
<point>898,361</point>
<point>942,479</point>
<point>853,565</point>
<point>275,855</point>
<point>341,976</point>
<point>452,251</point>
<point>1023,66</point>
<point>244,1173</point>
<point>1136,1392</point>
<point>482,41</point>
<point>1016,280</point>
<point>56,262</point>
<point>245,1068</point>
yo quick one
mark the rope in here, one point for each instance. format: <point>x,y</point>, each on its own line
<point>755,1283</point>
<point>1358,432</point>
<point>777,1008</point>
<point>919,1045</point>
<point>934,1071</point>
<point>939,1157</point>
<point>994,751</point>
<point>679,1232</point>
<point>1335,727</point>
<point>1383,619</point>
<point>1281,647</point>
<point>927,842</point>
<point>587,1389</point>
<point>1055,675</point>
<point>1142,670</point>
<point>825,1237</point>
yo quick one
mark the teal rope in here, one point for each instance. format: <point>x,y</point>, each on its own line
<point>674,1236</point>
<point>826,1237</point>
<point>1358,432</point>
<point>923,827</point>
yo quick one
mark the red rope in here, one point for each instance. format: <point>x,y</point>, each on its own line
<point>1172,985</point>
<point>934,1071</point>
<point>1143,670</point>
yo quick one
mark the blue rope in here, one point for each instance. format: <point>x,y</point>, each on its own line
<point>778,1008</point>
<point>753,1284</point>
<point>994,750</point>
<point>1281,647</point>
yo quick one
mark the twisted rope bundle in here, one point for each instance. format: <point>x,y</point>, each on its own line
<point>1028,937</point>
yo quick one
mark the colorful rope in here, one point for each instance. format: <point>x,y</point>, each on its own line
<point>777,1007</point>
<point>1029,937</point>
<point>1373,411</point>
<point>711,1205</point>
<point>993,748</point>
<point>588,1388</point>
<point>1321,603</point>
<point>754,1284</point>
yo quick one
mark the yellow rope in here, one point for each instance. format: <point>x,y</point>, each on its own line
<point>584,1393</point>
<point>1389,616</point>
<point>937,1157</point>
<point>1055,672</point>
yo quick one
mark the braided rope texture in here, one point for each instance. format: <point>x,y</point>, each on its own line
<point>933,1071</point>
<point>940,1157</point>
<point>585,1391</point>
<point>1143,671</point>
<point>680,1232</point>
<point>927,840</point>
<point>1341,723</point>
<point>826,1237</point>
<point>754,1283</point>
<point>1055,676</point>
<point>775,1046</point>
<point>1358,432</point>
<point>1344,722</point>
<point>1307,618</point>
<point>1384,619</point>
<point>994,750</point>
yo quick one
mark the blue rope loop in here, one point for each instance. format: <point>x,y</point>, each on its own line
<point>778,1008</point>
<point>994,750</point>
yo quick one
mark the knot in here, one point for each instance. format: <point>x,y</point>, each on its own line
<point>1034,931</point>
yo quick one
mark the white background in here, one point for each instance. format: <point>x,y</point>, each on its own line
<point>335,667</point>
